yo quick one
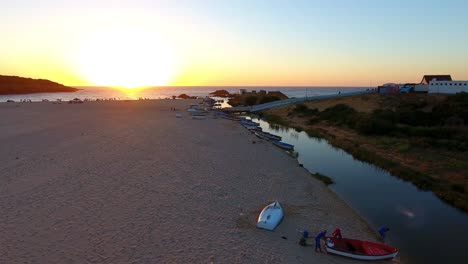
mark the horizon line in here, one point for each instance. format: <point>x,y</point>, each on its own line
<point>233,86</point>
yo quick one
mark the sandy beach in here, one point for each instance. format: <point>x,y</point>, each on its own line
<point>128,182</point>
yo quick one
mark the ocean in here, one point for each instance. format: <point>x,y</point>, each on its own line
<point>93,93</point>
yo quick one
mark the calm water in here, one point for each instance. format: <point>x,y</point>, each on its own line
<point>425,229</point>
<point>164,92</point>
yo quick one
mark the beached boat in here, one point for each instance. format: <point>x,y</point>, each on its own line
<point>249,127</point>
<point>359,249</point>
<point>283,145</point>
<point>230,117</point>
<point>271,216</point>
<point>248,122</point>
<point>178,115</point>
<point>271,136</point>
<point>259,134</point>
<point>200,117</point>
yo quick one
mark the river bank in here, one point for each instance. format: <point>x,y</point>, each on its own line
<point>117,181</point>
<point>431,164</point>
<point>418,220</point>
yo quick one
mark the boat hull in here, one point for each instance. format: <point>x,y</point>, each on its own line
<point>271,216</point>
<point>283,145</point>
<point>358,249</point>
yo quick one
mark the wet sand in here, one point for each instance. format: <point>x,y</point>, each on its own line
<point>128,182</point>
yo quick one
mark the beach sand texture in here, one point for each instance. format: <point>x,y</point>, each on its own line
<point>128,182</point>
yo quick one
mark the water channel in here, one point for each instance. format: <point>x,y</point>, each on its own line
<point>422,227</point>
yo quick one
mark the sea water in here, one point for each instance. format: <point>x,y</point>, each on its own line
<point>93,93</point>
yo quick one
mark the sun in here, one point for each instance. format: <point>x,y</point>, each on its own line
<point>126,59</point>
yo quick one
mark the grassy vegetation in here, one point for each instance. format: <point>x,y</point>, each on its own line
<point>325,179</point>
<point>431,132</point>
<point>440,127</point>
<point>273,119</point>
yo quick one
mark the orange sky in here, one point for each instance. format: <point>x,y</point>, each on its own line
<point>143,43</point>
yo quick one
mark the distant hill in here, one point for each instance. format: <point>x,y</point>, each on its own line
<point>20,85</point>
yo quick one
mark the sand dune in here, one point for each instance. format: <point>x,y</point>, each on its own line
<point>127,182</point>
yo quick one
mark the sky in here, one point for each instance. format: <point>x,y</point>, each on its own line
<point>241,42</point>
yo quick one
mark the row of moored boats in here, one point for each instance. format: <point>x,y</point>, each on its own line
<point>255,128</point>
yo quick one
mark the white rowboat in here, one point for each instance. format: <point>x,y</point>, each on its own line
<point>271,216</point>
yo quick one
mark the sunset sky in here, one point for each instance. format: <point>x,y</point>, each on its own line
<point>271,42</point>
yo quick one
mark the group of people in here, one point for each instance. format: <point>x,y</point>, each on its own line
<point>336,234</point>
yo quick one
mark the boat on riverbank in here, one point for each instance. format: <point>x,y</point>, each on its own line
<point>358,249</point>
<point>259,134</point>
<point>272,136</point>
<point>271,216</point>
<point>249,123</point>
<point>283,145</point>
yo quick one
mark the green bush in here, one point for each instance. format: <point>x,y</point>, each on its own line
<point>338,113</point>
<point>304,110</point>
<point>268,99</point>
<point>458,188</point>
<point>325,179</point>
<point>251,100</point>
<point>373,126</point>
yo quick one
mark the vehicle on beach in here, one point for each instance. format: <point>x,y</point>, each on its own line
<point>283,145</point>
<point>271,216</point>
<point>358,249</point>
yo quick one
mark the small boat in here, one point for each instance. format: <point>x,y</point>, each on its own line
<point>283,145</point>
<point>271,216</point>
<point>259,134</point>
<point>359,249</point>
<point>250,123</point>
<point>178,115</point>
<point>231,118</point>
<point>200,117</point>
<point>249,127</point>
<point>271,136</point>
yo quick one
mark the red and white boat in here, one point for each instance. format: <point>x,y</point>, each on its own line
<point>359,249</point>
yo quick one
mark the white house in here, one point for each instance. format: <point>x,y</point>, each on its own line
<point>441,84</point>
<point>448,87</point>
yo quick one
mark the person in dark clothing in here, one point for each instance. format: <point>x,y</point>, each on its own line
<point>303,240</point>
<point>319,236</point>
<point>382,230</point>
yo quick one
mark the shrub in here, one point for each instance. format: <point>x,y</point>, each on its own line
<point>267,99</point>
<point>338,113</point>
<point>304,110</point>
<point>325,179</point>
<point>458,188</point>
<point>251,100</point>
<point>301,108</point>
<point>275,119</point>
<point>373,126</point>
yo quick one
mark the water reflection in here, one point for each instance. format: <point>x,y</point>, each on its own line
<point>425,229</point>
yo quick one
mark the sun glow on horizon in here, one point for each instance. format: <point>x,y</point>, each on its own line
<point>126,59</point>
